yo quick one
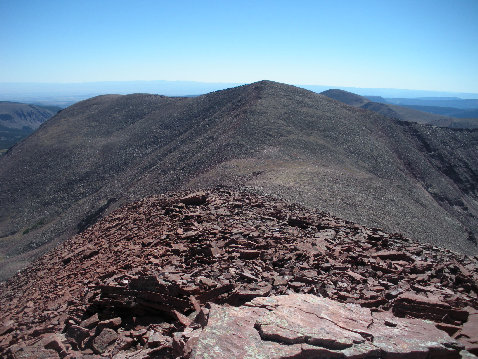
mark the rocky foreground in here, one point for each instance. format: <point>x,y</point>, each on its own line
<point>223,274</point>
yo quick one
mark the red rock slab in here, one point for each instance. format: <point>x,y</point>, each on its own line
<point>32,352</point>
<point>468,335</point>
<point>230,333</point>
<point>90,322</point>
<point>394,255</point>
<point>307,326</point>
<point>411,338</point>
<point>7,327</point>
<point>417,306</point>
<point>353,317</point>
<point>195,199</point>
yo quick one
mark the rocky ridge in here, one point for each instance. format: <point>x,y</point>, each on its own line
<point>300,146</point>
<point>155,279</point>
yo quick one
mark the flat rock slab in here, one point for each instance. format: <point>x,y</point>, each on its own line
<point>469,334</point>
<point>307,326</point>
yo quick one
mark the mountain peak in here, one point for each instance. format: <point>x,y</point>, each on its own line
<point>268,84</point>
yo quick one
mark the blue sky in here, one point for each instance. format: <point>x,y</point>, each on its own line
<point>420,44</point>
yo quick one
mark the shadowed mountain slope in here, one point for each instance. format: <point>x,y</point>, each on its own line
<point>19,115</point>
<point>346,97</point>
<point>18,120</point>
<point>277,139</point>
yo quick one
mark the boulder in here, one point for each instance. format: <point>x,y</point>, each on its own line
<point>77,335</point>
<point>194,199</point>
<point>106,338</point>
<point>90,322</point>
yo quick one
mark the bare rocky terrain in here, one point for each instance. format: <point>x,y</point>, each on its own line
<point>229,274</point>
<point>277,139</point>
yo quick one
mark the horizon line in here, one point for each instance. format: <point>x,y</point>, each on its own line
<point>234,84</point>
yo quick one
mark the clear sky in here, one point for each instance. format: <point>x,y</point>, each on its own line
<point>413,44</point>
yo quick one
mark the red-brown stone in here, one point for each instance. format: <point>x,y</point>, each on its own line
<point>308,326</point>
<point>137,267</point>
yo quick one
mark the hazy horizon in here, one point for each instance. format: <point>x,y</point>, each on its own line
<point>440,93</point>
<point>65,94</point>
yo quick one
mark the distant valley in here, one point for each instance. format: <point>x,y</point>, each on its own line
<point>415,110</point>
<point>18,120</point>
<point>447,111</point>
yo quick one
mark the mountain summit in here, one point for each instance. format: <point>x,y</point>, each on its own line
<point>273,138</point>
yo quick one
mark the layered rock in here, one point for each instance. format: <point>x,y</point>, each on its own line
<point>149,270</point>
<point>306,326</point>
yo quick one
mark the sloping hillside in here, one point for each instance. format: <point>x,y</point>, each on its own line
<point>275,138</point>
<point>346,97</point>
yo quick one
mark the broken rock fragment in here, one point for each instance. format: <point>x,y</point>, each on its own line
<point>106,338</point>
<point>418,306</point>
<point>194,199</point>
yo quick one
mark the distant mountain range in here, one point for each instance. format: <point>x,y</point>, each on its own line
<point>65,94</point>
<point>18,120</point>
<point>272,138</point>
<point>453,102</point>
<point>404,112</point>
<point>448,106</point>
<point>447,111</point>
